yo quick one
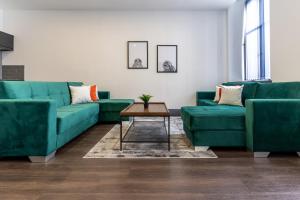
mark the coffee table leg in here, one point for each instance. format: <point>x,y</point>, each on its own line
<point>121,138</point>
<point>169,133</point>
<point>133,121</point>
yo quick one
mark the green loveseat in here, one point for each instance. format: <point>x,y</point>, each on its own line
<point>37,118</point>
<point>269,122</point>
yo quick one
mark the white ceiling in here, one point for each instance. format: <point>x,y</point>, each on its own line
<point>115,4</point>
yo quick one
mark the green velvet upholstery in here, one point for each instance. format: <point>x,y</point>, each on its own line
<point>111,117</point>
<point>37,118</point>
<point>273,118</point>
<point>215,138</point>
<point>28,127</point>
<point>15,90</point>
<point>249,89</point>
<point>270,121</point>
<point>249,92</point>
<point>72,115</point>
<point>205,95</point>
<point>288,90</point>
<point>205,98</point>
<point>114,104</point>
<point>206,102</point>
<point>104,95</point>
<point>273,125</point>
<point>74,131</point>
<point>110,109</point>
<point>214,125</point>
<point>214,117</point>
<point>75,83</point>
<point>57,91</point>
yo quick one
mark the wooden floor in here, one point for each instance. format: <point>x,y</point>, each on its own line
<point>235,175</point>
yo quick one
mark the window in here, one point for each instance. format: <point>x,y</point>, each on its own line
<point>257,40</point>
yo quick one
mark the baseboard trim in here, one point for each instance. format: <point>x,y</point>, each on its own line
<point>174,112</point>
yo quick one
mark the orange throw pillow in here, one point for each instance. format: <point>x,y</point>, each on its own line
<point>218,93</point>
<point>94,93</point>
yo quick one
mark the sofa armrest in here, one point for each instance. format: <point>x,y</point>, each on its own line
<point>28,127</point>
<point>104,94</point>
<point>205,95</point>
<point>273,125</point>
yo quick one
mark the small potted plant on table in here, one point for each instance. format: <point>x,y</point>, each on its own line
<point>145,98</point>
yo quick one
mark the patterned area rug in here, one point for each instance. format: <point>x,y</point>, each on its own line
<point>149,129</point>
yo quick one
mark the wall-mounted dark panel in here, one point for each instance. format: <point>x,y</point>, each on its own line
<point>13,72</point>
<point>6,42</point>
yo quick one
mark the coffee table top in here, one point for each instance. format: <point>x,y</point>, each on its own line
<point>155,109</point>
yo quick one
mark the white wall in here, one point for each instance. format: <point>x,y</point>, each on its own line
<point>1,19</point>
<point>235,40</point>
<point>91,47</point>
<point>1,27</point>
<point>285,40</point>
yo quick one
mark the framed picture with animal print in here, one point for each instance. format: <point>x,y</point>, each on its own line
<point>137,52</point>
<point>167,59</point>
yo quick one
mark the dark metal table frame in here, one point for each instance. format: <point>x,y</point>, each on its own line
<point>122,138</point>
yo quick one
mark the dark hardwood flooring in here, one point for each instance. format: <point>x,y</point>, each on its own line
<point>235,175</point>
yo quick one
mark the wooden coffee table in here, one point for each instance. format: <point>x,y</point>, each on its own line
<point>157,109</point>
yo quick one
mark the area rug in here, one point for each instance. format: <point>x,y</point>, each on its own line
<point>147,129</point>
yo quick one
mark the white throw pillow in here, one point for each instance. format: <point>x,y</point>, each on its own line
<point>80,94</point>
<point>232,95</point>
<point>218,93</point>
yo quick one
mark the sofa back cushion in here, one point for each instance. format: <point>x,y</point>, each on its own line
<point>288,90</point>
<point>248,90</point>
<point>58,91</point>
<point>250,87</point>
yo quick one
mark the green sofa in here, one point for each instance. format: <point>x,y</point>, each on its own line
<point>37,118</point>
<point>269,121</point>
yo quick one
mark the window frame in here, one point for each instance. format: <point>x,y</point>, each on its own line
<point>262,47</point>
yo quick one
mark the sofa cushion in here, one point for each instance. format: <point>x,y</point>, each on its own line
<point>288,90</point>
<point>57,91</point>
<point>213,117</point>
<point>15,90</point>
<point>75,83</point>
<point>72,115</point>
<point>206,102</point>
<point>107,105</point>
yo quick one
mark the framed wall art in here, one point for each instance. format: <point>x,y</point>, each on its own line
<point>167,59</point>
<point>137,52</point>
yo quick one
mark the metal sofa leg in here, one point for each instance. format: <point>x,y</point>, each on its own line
<point>201,148</point>
<point>42,159</point>
<point>261,154</point>
<point>298,154</point>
